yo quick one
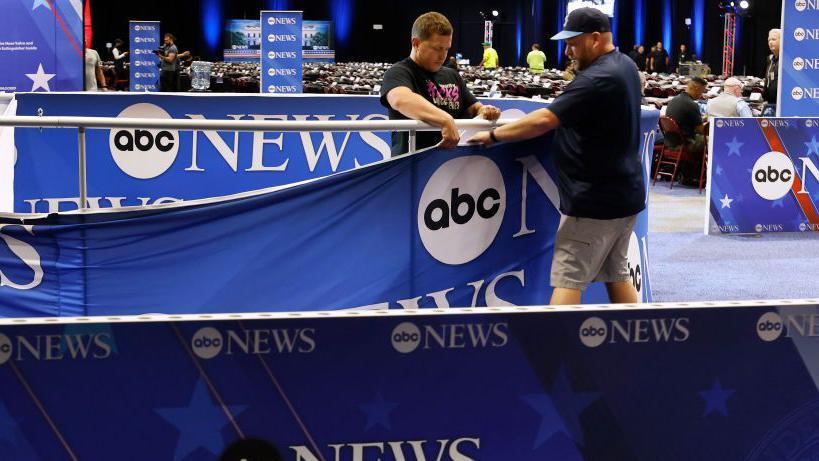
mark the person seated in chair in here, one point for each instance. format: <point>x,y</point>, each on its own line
<point>685,110</point>
<point>729,103</point>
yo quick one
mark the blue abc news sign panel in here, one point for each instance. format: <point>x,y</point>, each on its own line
<point>764,176</point>
<point>144,41</point>
<point>799,63</point>
<point>464,227</point>
<point>140,167</point>
<point>281,52</point>
<point>41,46</point>
<point>560,385</point>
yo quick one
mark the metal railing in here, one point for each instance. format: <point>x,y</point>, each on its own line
<point>84,123</point>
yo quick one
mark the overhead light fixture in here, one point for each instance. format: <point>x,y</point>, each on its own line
<point>495,13</point>
<point>744,4</point>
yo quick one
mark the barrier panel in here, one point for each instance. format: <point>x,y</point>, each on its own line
<point>763,176</point>
<point>42,46</point>
<point>471,226</point>
<point>799,60</point>
<point>139,167</point>
<point>144,40</point>
<point>727,382</point>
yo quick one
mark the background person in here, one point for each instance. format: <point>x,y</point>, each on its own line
<point>120,55</point>
<point>536,60</point>
<point>490,57</point>
<point>659,59</point>
<point>682,56</point>
<point>94,78</point>
<point>685,110</point>
<point>772,67</point>
<point>420,88</point>
<point>168,64</point>
<point>729,103</point>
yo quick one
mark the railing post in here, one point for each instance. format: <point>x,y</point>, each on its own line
<point>412,134</point>
<point>82,168</point>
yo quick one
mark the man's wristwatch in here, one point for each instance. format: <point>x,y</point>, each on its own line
<point>492,135</point>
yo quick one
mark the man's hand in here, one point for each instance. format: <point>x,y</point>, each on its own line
<point>481,137</point>
<point>450,134</point>
<point>490,113</point>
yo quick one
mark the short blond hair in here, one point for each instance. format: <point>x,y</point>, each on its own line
<point>431,23</point>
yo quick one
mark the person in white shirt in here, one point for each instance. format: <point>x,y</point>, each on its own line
<point>729,103</point>
<point>94,78</point>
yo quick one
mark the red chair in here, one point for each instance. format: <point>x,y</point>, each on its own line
<point>671,156</point>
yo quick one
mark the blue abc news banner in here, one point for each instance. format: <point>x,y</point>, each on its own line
<point>281,52</point>
<point>568,385</point>
<point>764,176</point>
<point>464,227</point>
<point>41,46</point>
<point>144,70</point>
<point>139,167</point>
<point>799,63</point>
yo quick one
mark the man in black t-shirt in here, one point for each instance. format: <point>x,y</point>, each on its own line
<point>685,110</point>
<point>596,153</point>
<point>659,59</point>
<point>420,88</point>
<point>682,56</point>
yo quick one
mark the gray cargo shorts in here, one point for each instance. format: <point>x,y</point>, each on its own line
<point>591,250</point>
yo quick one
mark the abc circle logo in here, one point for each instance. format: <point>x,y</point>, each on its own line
<point>773,175</point>
<point>800,5</point>
<point>803,227</point>
<point>720,123</point>
<point>593,332</point>
<point>769,327</point>
<point>758,228</point>
<point>635,266</point>
<point>461,209</point>
<point>809,123</point>
<point>797,93</point>
<point>144,154</point>
<point>406,337</point>
<point>137,28</point>
<point>799,34</point>
<point>271,38</point>
<point>798,64</point>
<point>270,20</point>
<point>207,343</point>
<point>5,348</point>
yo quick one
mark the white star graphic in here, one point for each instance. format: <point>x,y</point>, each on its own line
<point>38,3</point>
<point>726,202</point>
<point>40,79</point>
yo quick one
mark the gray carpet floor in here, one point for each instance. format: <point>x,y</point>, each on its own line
<point>687,265</point>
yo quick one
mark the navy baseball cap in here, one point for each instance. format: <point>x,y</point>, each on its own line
<point>583,21</point>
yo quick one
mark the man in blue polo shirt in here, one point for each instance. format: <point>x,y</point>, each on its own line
<point>596,154</point>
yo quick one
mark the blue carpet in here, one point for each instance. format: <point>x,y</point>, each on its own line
<point>695,267</point>
<point>687,265</point>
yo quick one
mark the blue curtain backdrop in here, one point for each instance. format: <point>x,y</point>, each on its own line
<point>668,26</point>
<point>199,25</point>
<point>212,23</point>
<point>639,21</point>
<point>698,27</point>
<point>562,8</point>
